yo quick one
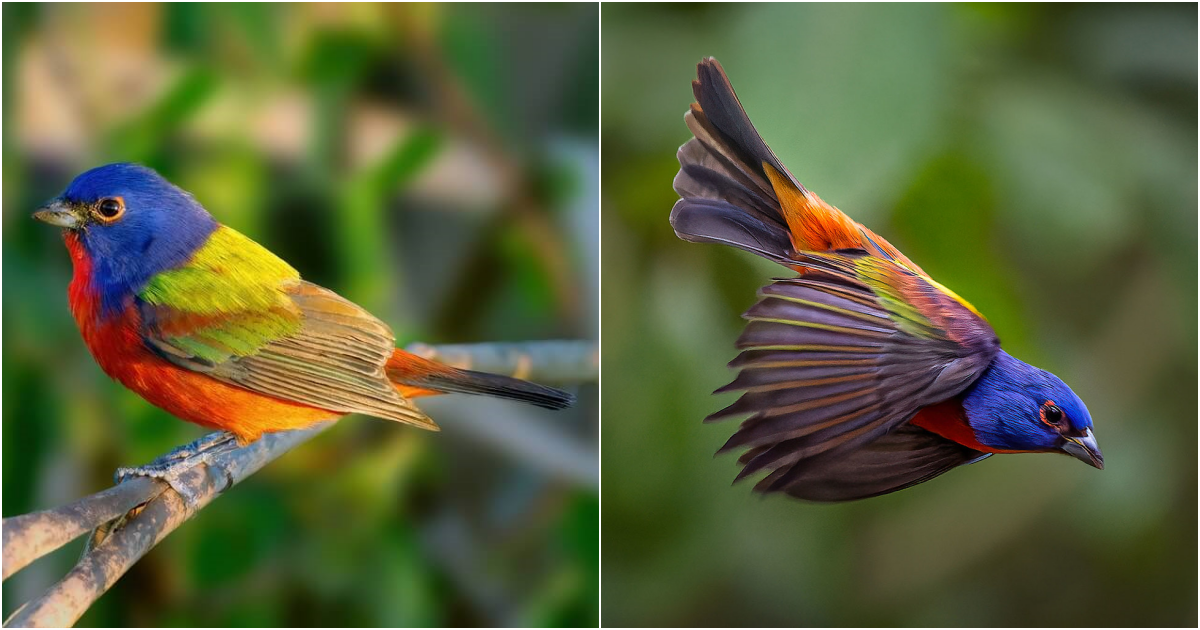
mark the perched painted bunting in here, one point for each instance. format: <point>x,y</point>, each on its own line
<point>212,327</point>
<point>863,375</point>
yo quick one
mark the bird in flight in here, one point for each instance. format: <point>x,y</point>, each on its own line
<point>861,375</point>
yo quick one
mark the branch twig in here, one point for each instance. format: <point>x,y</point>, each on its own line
<point>546,361</point>
<point>145,511</point>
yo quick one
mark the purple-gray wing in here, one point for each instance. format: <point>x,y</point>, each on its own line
<point>832,362</point>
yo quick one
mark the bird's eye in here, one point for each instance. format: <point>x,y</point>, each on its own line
<point>110,209</point>
<point>1051,414</point>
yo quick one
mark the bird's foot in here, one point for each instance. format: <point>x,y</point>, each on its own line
<point>171,467</point>
<point>214,443</point>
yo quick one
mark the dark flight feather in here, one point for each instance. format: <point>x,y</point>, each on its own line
<point>902,458</point>
<point>722,109</point>
<point>726,196</point>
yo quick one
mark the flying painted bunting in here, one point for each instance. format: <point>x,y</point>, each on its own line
<point>212,327</point>
<point>863,375</point>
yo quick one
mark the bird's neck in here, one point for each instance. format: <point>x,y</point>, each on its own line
<point>109,336</point>
<point>949,420</point>
<point>82,295</point>
<point>97,293</point>
<point>106,281</point>
<point>994,406</point>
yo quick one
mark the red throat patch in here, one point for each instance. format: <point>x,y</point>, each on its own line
<point>80,296</point>
<point>949,420</point>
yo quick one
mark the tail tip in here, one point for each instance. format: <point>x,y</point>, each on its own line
<point>554,399</point>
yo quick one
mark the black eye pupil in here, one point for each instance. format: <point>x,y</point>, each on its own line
<point>110,208</point>
<point>1053,414</point>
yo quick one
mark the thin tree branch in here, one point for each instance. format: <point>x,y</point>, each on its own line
<point>105,562</point>
<point>31,536</point>
<point>545,361</point>
<point>146,510</point>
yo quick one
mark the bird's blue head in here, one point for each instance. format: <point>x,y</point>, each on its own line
<point>131,224</point>
<point>1017,407</point>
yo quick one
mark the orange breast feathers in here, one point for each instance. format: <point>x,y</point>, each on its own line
<point>188,395</point>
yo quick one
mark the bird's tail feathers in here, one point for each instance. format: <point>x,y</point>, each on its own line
<point>727,196</point>
<point>735,191</point>
<point>417,376</point>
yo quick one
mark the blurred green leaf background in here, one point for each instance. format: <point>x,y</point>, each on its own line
<point>438,165</point>
<point>1038,159</point>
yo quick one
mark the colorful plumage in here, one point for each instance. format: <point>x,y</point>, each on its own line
<point>862,375</point>
<point>215,329</point>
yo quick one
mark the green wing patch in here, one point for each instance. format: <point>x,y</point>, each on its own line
<point>227,301</point>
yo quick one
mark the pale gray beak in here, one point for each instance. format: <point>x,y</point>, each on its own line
<point>59,214</point>
<point>1085,449</point>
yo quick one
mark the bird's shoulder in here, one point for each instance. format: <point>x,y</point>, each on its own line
<point>228,273</point>
<point>234,298</point>
<point>922,306</point>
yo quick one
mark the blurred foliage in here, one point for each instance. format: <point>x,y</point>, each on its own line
<point>1038,159</point>
<point>438,165</point>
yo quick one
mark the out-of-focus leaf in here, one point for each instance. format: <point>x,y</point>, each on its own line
<point>137,140</point>
<point>478,62</point>
<point>362,207</point>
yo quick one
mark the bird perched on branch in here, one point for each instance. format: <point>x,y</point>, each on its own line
<point>862,375</point>
<point>212,327</point>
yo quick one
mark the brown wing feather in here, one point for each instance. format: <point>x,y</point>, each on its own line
<point>334,361</point>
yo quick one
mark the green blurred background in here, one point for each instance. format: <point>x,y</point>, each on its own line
<point>436,164</point>
<point>1039,160</point>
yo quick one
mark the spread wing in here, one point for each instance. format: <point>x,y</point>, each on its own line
<point>240,315</point>
<point>841,357</point>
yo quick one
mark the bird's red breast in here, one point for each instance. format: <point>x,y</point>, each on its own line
<point>949,420</point>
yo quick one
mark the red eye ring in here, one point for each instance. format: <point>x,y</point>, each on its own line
<point>109,209</point>
<point>1051,414</point>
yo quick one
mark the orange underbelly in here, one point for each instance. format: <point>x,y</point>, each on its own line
<point>202,400</point>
